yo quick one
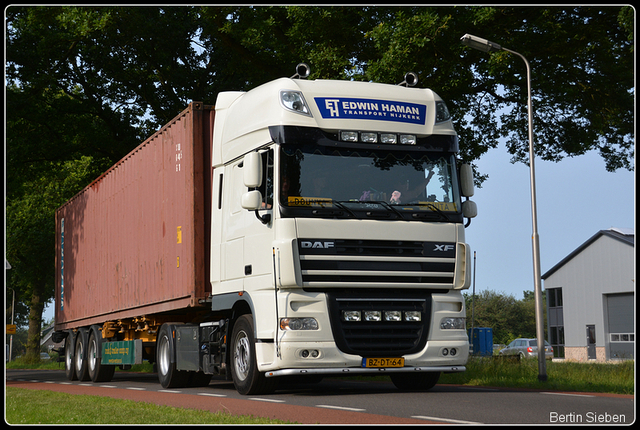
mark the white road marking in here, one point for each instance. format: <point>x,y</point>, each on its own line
<point>341,408</point>
<point>267,400</point>
<point>212,395</point>
<point>567,394</point>
<point>447,420</point>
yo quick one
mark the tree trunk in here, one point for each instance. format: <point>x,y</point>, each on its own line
<point>35,322</point>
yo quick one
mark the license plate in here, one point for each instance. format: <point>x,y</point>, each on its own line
<point>383,362</point>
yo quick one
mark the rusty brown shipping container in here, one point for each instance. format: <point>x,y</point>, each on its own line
<point>136,241</point>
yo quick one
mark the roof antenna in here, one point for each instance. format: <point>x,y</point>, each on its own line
<point>410,80</point>
<point>302,71</point>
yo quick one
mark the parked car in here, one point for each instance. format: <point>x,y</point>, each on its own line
<point>44,356</point>
<point>497,347</point>
<point>527,348</point>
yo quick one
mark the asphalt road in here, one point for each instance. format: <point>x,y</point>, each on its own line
<point>335,401</point>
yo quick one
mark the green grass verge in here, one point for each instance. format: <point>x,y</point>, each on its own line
<point>615,378</point>
<point>25,406</point>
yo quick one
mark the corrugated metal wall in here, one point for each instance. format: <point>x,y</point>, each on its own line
<point>136,241</point>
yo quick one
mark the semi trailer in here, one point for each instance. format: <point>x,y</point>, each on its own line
<point>299,229</point>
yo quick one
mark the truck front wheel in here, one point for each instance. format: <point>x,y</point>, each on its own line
<point>244,367</point>
<point>168,375</point>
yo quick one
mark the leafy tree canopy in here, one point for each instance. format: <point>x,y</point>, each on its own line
<point>134,68</point>
<point>85,85</point>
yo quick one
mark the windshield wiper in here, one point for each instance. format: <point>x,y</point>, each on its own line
<point>435,209</point>
<point>381,203</point>
<point>328,211</point>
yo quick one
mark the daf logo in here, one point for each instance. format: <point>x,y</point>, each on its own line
<point>317,245</point>
<point>443,248</point>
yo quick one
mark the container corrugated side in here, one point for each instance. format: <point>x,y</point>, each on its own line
<point>136,240</point>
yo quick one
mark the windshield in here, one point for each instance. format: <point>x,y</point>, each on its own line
<point>398,182</point>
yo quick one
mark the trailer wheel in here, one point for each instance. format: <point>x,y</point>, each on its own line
<point>80,358</point>
<point>422,381</point>
<point>69,364</point>
<point>168,375</point>
<point>244,367</point>
<point>98,372</point>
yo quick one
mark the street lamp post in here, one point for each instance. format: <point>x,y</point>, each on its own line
<point>488,46</point>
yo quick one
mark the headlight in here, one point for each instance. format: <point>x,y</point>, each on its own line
<point>294,101</point>
<point>452,323</point>
<point>298,324</point>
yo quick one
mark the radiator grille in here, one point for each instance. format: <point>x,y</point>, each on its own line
<point>340,263</point>
<point>379,338</point>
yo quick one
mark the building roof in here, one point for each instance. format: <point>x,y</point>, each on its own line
<point>622,234</point>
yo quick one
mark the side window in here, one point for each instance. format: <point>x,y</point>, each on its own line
<point>266,189</point>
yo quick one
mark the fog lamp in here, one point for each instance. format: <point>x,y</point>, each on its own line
<point>349,136</point>
<point>408,139</point>
<point>372,316</point>
<point>367,137</point>
<point>412,316</point>
<point>389,138</point>
<point>351,316</point>
<point>393,316</point>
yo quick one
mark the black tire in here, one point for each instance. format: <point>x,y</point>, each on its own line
<point>244,367</point>
<point>422,381</point>
<point>80,357</point>
<point>168,375</point>
<point>98,372</point>
<point>69,351</point>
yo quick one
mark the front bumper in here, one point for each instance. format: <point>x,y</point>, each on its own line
<point>313,358</point>
<point>361,370</point>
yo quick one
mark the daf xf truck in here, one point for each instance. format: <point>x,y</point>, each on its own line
<point>299,229</point>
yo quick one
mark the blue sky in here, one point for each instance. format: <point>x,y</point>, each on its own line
<point>576,198</point>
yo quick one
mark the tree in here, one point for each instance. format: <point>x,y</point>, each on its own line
<point>39,181</point>
<point>583,81</point>
<point>507,317</point>
<point>85,85</point>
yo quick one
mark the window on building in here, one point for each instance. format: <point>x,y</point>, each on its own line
<point>555,317</point>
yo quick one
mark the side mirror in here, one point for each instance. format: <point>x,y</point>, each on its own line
<point>466,180</point>
<point>252,200</point>
<point>469,209</point>
<point>252,170</point>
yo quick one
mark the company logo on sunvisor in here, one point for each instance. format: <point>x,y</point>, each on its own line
<point>380,110</point>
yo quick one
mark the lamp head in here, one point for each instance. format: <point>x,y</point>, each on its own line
<point>479,43</point>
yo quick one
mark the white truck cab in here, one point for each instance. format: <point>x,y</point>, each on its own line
<point>338,240</point>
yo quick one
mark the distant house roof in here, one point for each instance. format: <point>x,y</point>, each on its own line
<point>622,234</point>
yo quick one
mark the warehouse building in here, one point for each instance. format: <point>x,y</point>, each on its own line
<point>591,299</point>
